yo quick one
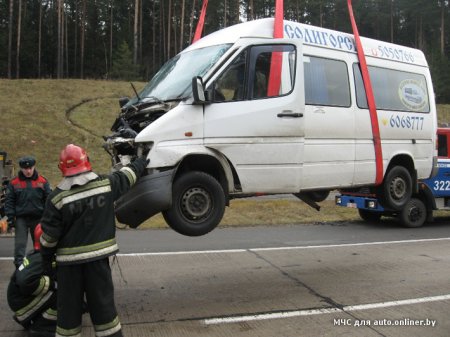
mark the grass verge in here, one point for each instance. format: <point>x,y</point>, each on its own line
<point>40,117</point>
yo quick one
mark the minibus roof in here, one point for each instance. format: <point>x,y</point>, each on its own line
<point>313,36</point>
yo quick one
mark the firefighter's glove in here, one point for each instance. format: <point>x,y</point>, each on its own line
<point>48,270</point>
<point>139,165</point>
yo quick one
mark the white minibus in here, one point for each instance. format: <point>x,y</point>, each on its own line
<point>214,131</point>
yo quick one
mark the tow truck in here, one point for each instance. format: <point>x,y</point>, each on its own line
<point>432,194</point>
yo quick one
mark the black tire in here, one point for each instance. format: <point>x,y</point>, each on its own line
<point>397,188</point>
<point>198,204</point>
<point>413,214</point>
<point>369,216</point>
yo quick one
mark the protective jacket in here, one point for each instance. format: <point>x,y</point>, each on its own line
<point>26,196</point>
<point>79,223</point>
<point>30,293</point>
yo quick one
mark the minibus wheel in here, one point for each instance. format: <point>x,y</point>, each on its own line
<point>198,204</point>
<point>369,216</point>
<point>396,188</point>
<point>413,214</point>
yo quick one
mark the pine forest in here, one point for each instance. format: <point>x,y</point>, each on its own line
<point>131,39</point>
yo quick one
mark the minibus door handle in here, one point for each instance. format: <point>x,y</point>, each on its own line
<point>290,114</point>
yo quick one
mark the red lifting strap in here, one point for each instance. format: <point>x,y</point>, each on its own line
<point>201,22</point>
<point>370,99</point>
<point>273,88</point>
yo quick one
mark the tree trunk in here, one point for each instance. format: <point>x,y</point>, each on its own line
<point>421,32</point>
<point>225,13</point>
<point>66,46</point>
<point>169,26</point>
<point>392,21</point>
<point>135,31</point>
<point>174,29</point>
<point>58,50</point>
<point>238,10</point>
<point>153,38</point>
<point>162,23</point>
<point>10,24</point>
<point>191,21</point>
<point>39,39</point>
<point>111,35</point>
<point>182,24</point>
<point>19,24</point>
<point>442,27</point>
<point>321,14</point>
<point>140,32</point>
<point>75,14</point>
<point>82,30</point>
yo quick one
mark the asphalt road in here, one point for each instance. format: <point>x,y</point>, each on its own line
<point>340,279</point>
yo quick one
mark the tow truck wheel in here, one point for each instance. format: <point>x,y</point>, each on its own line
<point>369,216</point>
<point>413,214</point>
<point>396,188</point>
<point>198,204</point>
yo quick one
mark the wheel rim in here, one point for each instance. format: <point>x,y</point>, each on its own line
<point>196,203</point>
<point>415,214</point>
<point>398,188</point>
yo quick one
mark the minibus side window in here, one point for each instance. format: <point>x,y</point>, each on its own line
<point>230,85</point>
<point>393,90</point>
<point>326,82</point>
<point>247,77</point>
<point>259,69</point>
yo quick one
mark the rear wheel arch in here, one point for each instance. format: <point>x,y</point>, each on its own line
<point>405,161</point>
<point>399,182</point>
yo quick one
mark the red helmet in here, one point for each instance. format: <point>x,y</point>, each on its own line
<point>73,160</point>
<point>37,237</point>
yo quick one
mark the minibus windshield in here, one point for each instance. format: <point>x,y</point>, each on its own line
<point>173,80</point>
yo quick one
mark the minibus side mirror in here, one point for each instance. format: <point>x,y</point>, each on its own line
<point>198,90</point>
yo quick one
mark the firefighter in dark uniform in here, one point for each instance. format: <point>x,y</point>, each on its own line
<point>32,295</point>
<point>24,204</point>
<point>79,228</point>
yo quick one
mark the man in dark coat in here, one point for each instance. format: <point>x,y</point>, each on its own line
<point>24,204</point>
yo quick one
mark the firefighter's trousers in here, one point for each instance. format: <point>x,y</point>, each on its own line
<point>94,280</point>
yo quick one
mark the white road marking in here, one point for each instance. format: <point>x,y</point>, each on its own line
<point>283,248</point>
<point>272,248</point>
<point>288,314</point>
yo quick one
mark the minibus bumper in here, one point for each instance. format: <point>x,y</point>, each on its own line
<point>149,196</point>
